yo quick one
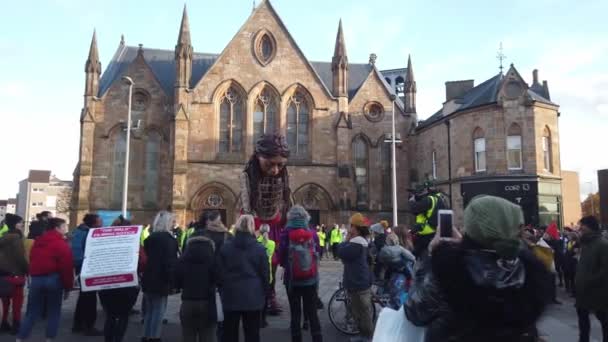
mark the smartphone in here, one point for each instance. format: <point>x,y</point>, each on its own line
<point>444,218</point>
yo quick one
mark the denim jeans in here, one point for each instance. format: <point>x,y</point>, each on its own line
<point>156,306</point>
<point>43,288</point>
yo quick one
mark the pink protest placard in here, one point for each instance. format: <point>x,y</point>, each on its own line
<point>110,258</point>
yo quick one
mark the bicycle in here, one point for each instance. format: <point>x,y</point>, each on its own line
<point>339,308</point>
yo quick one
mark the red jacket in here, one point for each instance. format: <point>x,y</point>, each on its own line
<point>51,254</point>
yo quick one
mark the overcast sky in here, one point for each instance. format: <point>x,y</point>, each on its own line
<point>44,45</point>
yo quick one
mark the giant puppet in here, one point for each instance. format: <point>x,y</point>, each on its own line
<point>265,192</point>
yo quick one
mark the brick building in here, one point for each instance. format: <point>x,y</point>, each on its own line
<point>500,137</point>
<point>198,114</point>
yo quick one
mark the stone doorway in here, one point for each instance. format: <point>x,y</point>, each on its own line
<point>214,196</point>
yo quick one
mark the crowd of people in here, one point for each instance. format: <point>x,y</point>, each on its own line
<point>207,264</point>
<point>213,264</point>
<point>489,280</point>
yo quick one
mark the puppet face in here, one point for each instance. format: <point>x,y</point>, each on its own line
<point>272,166</point>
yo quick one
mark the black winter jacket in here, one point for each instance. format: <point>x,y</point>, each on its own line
<point>218,238</point>
<point>472,295</point>
<point>245,273</point>
<point>161,250</point>
<point>197,273</point>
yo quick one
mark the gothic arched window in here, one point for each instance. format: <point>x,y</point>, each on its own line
<point>118,169</point>
<point>139,104</point>
<point>232,115</point>
<point>298,118</point>
<point>547,150</point>
<point>361,163</point>
<point>399,86</point>
<point>264,47</point>
<point>265,114</point>
<point>152,170</point>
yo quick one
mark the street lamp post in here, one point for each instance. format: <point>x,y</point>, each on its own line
<point>394,164</point>
<point>125,185</point>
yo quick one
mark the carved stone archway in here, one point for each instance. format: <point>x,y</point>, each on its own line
<point>214,196</point>
<point>314,198</point>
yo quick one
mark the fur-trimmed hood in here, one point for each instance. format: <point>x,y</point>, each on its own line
<point>200,249</point>
<point>473,295</point>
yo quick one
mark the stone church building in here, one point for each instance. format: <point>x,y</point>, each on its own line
<point>196,116</point>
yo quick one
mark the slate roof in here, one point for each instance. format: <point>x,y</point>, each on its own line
<point>3,203</point>
<point>483,94</point>
<point>39,176</point>
<point>12,201</point>
<point>162,63</point>
<point>357,74</point>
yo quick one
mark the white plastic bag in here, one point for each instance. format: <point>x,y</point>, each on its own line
<point>219,307</point>
<point>393,326</point>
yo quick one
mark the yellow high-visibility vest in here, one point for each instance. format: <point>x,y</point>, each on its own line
<point>335,237</point>
<point>144,234</point>
<point>422,219</point>
<point>270,246</point>
<point>3,230</point>
<point>321,235</point>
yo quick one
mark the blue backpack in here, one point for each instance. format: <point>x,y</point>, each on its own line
<point>302,257</point>
<point>77,244</point>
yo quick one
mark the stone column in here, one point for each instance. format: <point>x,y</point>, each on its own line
<point>179,146</point>
<point>83,174</point>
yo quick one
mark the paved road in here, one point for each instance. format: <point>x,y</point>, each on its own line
<point>558,325</point>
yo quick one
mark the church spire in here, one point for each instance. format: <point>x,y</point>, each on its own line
<point>409,88</point>
<point>339,65</point>
<point>92,68</point>
<point>92,64</point>
<point>183,53</point>
<point>410,82</point>
<point>340,49</point>
<point>184,29</point>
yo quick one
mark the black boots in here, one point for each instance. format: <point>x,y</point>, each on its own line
<point>5,327</point>
<point>15,327</point>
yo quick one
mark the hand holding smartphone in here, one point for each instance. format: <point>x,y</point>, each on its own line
<point>444,220</point>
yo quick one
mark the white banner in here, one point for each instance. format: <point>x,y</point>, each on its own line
<point>110,258</point>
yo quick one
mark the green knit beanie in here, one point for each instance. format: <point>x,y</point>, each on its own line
<point>494,223</point>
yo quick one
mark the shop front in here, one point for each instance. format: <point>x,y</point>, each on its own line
<point>540,200</point>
